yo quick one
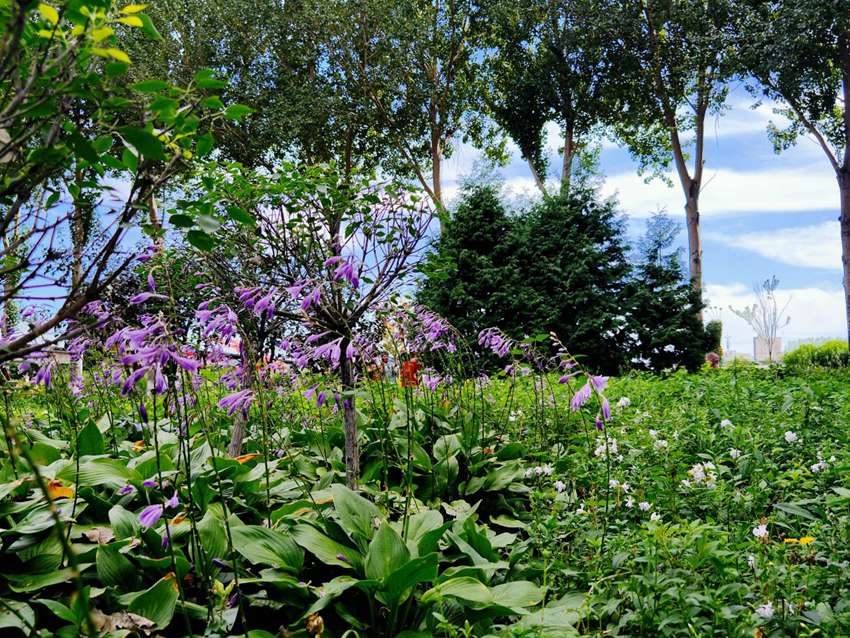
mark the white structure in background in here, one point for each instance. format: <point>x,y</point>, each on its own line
<point>765,350</point>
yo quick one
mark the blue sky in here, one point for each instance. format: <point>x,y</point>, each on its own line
<point>763,214</point>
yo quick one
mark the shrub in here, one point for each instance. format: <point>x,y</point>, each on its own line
<point>830,354</point>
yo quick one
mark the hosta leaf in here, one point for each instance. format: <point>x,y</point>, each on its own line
<point>15,614</point>
<point>398,585</point>
<point>355,512</point>
<point>325,549</point>
<point>387,553</point>
<point>113,568</point>
<point>267,546</point>
<point>156,603</point>
<point>469,591</point>
<point>107,472</point>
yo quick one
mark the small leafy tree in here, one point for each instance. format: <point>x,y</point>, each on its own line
<point>69,120</point>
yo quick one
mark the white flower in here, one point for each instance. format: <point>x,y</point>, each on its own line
<point>653,433</point>
<point>581,509</point>
<point>655,516</point>
<point>600,446</point>
<point>751,561</point>
<point>560,486</point>
<point>819,466</point>
<point>669,348</point>
<point>686,483</point>
<point>644,506</point>
<point>760,531</point>
<point>660,444</point>
<point>629,502</point>
<point>624,402</point>
<point>626,488</point>
<point>726,423</point>
<point>765,610</point>
<point>791,437</point>
<point>734,453</point>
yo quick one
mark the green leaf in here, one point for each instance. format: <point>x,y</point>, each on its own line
<point>237,111</point>
<point>100,472</point>
<point>158,602</point>
<point>325,549</point>
<point>355,513</point>
<point>61,611</point>
<point>179,220</point>
<point>150,86</point>
<point>239,215</point>
<point>124,524</point>
<point>208,223</point>
<point>465,589</point>
<point>399,585</point>
<point>387,553</point>
<point>205,79</point>
<point>518,593</point>
<point>267,546</point>
<point>200,240</point>
<point>90,440</point>
<point>24,583</point>
<point>18,615</point>
<point>149,28</point>
<point>213,535</point>
<point>797,510</point>
<point>48,13</point>
<point>204,145</point>
<point>113,568</point>
<point>145,142</point>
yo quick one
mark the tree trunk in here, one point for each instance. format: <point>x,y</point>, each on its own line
<point>567,166</point>
<point>237,435</point>
<point>694,244</point>
<point>844,223</point>
<point>538,179</point>
<point>436,158</point>
<point>352,453</point>
<point>78,241</point>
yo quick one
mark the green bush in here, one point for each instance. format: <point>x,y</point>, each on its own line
<point>830,354</point>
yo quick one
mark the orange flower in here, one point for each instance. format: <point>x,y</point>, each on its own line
<point>242,458</point>
<point>56,490</point>
<point>179,518</point>
<point>139,445</point>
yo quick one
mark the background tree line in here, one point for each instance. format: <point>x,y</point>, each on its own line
<point>395,85</point>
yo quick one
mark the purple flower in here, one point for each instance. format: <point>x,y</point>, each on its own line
<point>151,283</point>
<point>219,563</point>
<point>44,374</point>
<point>598,424</point>
<point>159,383</point>
<point>237,401</point>
<point>149,483</point>
<point>151,515</point>
<point>580,398</point>
<point>143,413</point>
<point>142,297</point>
<point>606,409</point>
<point>126,490</point>
<point>567,377</point>
<point>173,501</point>
<point>133,379</point>
<point>599,382</point>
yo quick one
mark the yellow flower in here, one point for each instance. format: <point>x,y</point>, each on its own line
<point>139,445</point>
<point>806,540</point>
<point>792,540</point>
<point>242,458</point>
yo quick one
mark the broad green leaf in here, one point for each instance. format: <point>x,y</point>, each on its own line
<point>200,240</point>
<point>398,586</point>
<point>267,546</point>
<point>518,593</point>
<point>145,142</point>
<point>113,568</point>
<point>356,514</point>
<point>387,553</point>
<point>23,583</point>
<point>149,86</point>
<point>213,535</point>
<point>16,615</point>
<point>124,524</point>
<point>465,589</point>
<point>133,8</point>
<point>90,440</point>
<point>325,549</point>
<point>158,602</point>
<point>797,510</point>
<point>108,472</point>
<point>237,111</point>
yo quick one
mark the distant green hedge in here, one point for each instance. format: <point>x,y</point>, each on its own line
<point>830,354</point>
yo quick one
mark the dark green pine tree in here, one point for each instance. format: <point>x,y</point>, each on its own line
<point>666,331</point>
<point>574,260</point>
<point>473,278</point>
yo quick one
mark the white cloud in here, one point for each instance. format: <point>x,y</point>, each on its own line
<point>814,312</point>
<point>727,191</point>
<point>817,246</point>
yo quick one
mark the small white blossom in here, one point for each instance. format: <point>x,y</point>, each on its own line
<point>624,402</point>
<point>765,610</point>
<point>629,502</point>
<point>626,488</point>
<point>655,516</point>
<point>791,437</point>
<point>660,444</point>
<point>669,348</point>
<point>734,453</point>
<point>644,506</point>
<point>726,423</point>
<point>653,433</point>
<point>560,486</point>
<point>760,531</point>
<point>751,561</point>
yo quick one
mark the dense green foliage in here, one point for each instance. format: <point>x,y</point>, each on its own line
<point>830,354</point>
<point>562,267</point>
<point>474,512</point>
